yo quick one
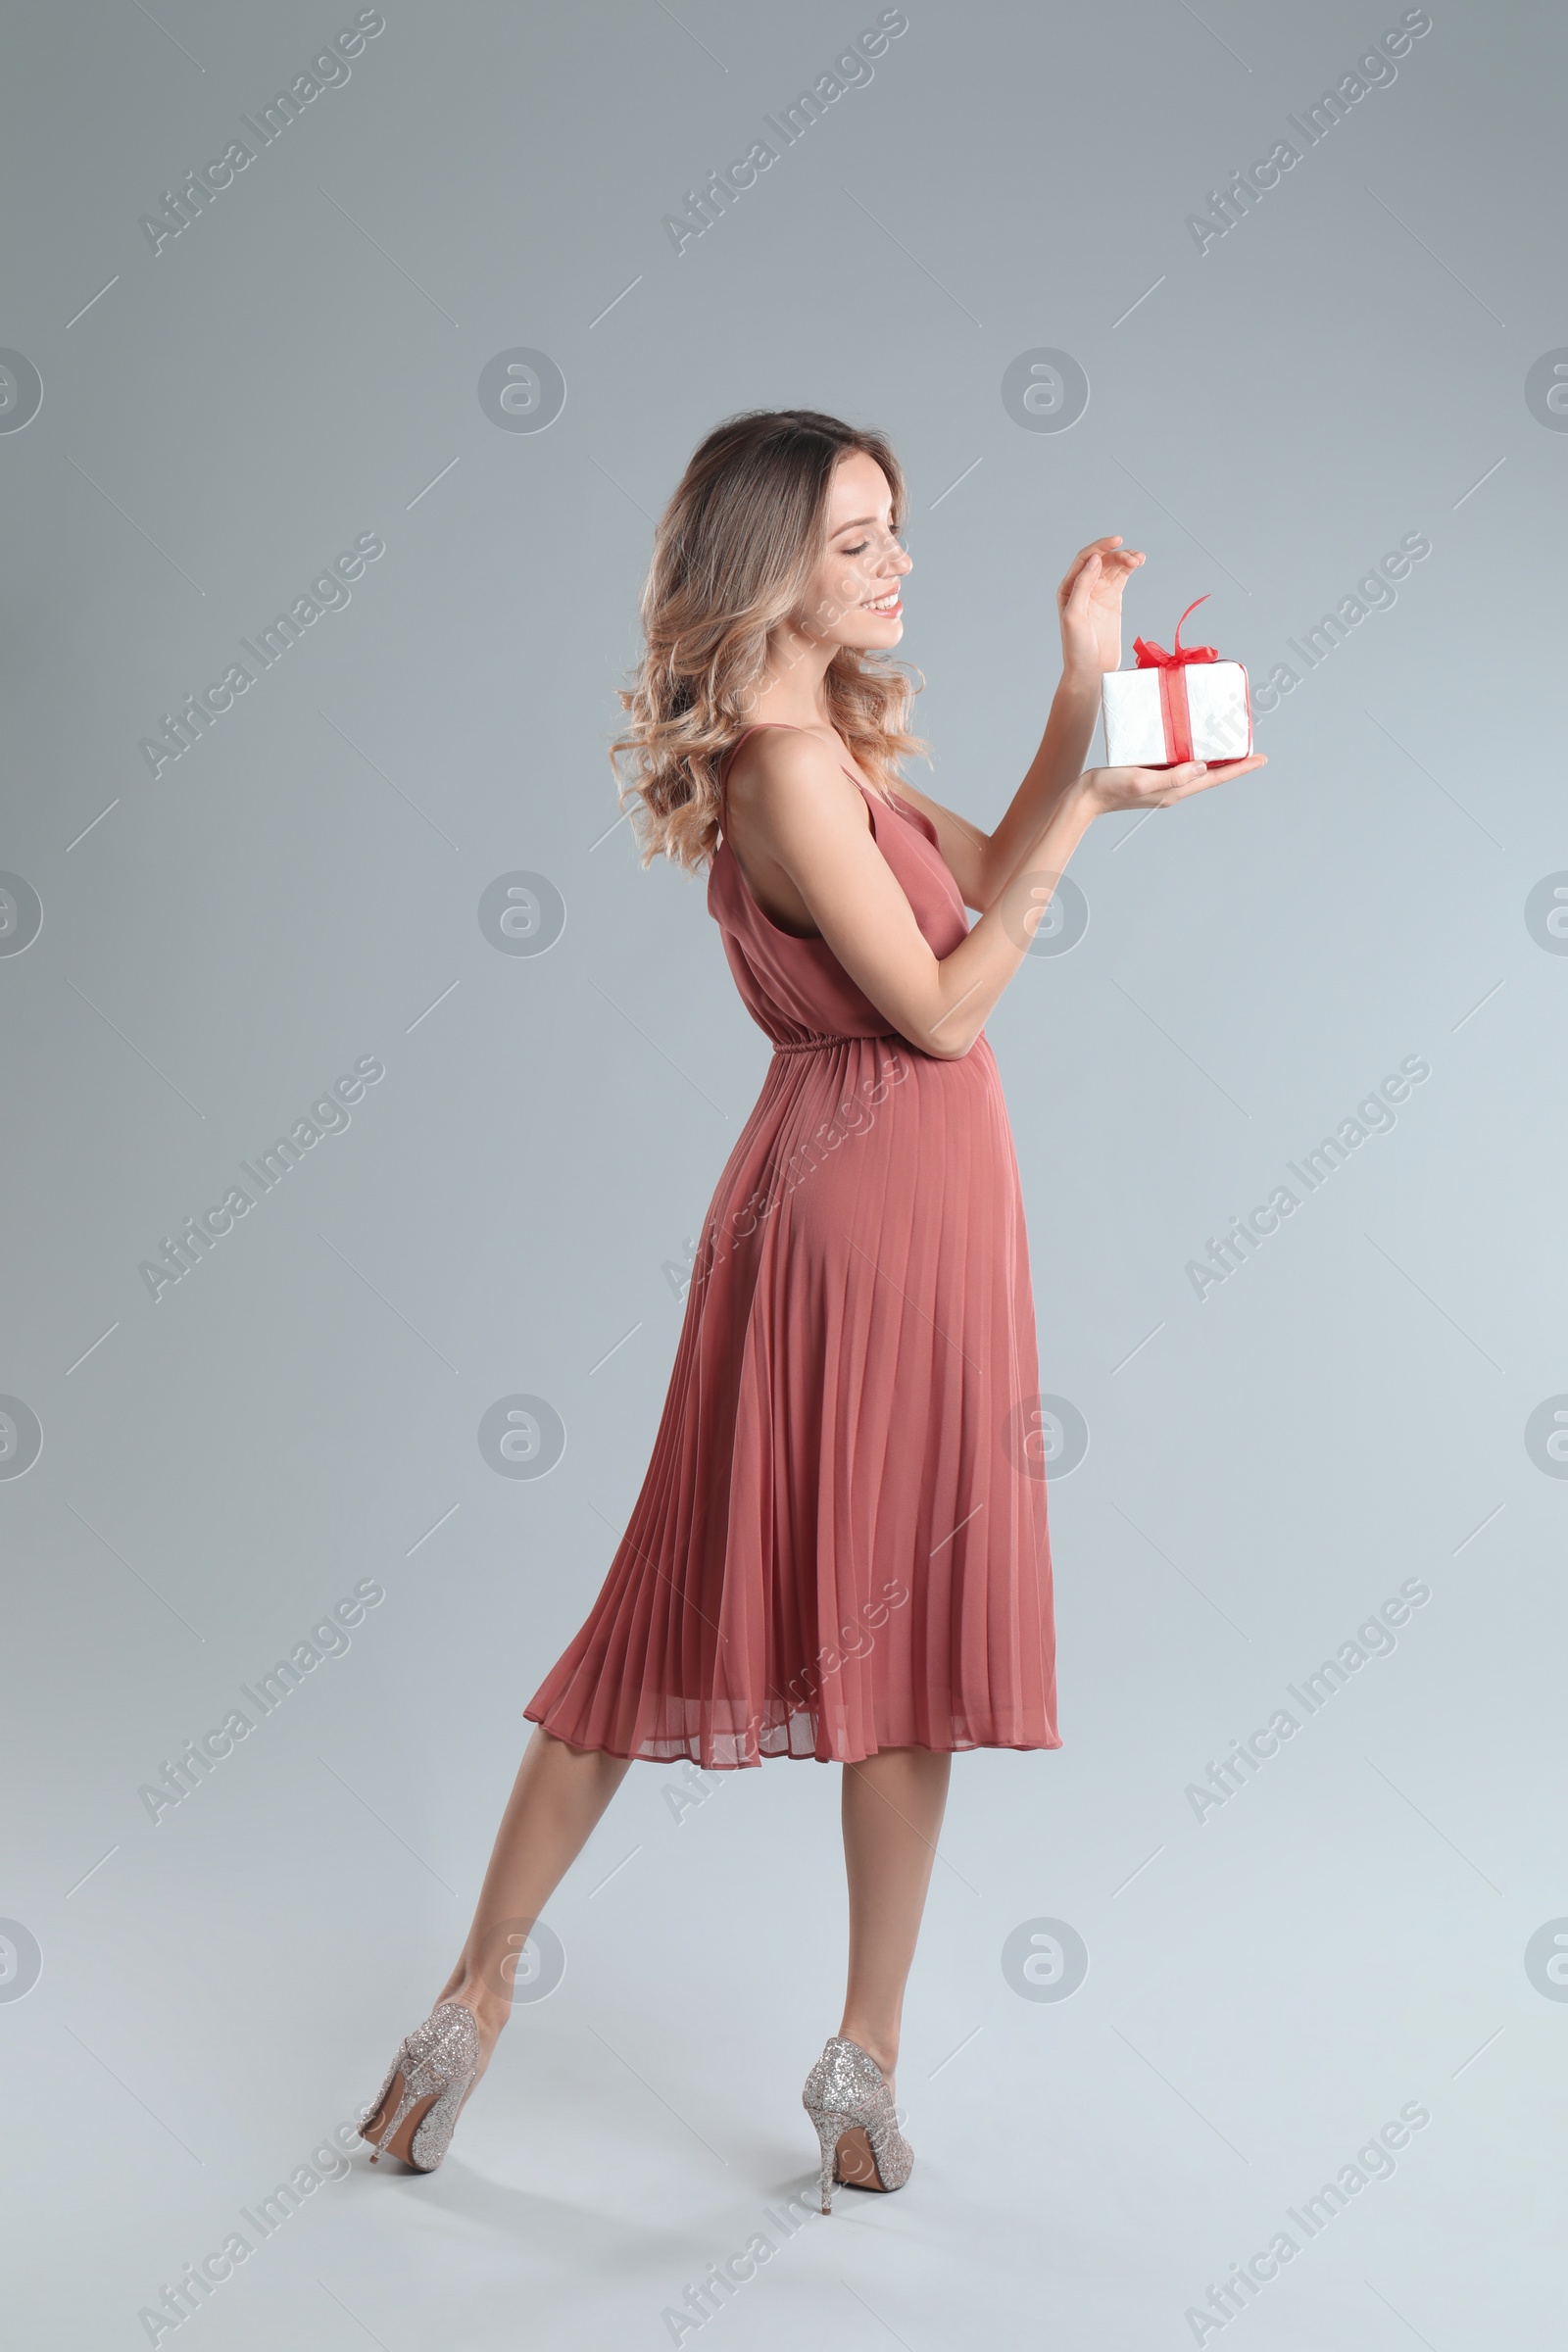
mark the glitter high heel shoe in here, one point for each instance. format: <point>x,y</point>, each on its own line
<point>417,2107</point>
<point>848,2099</point>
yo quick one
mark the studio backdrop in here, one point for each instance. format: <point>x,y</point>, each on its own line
<point>364,1096</point>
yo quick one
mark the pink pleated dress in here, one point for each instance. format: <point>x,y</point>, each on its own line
<point>840,1542</point>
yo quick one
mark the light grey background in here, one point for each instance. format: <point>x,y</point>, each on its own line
<point>300,366</point>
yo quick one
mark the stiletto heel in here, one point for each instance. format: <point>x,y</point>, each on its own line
<point>827,2141</point>
<point>417,2107</point>
<point>846,2098</point>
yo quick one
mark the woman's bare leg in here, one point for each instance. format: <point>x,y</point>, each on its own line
<point>555,1802</point>
<point>893,1806</point>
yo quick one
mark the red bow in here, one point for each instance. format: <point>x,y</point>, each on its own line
<point>1154,657</point>
<point>1174,711</point>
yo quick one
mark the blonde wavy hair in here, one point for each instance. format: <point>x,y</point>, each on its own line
<point>735,554</point>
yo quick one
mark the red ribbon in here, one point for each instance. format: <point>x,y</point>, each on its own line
<point>1174,710</point>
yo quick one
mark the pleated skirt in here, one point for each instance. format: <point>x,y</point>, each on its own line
<point>840,1545</point>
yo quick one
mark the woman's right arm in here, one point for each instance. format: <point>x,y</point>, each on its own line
<point>808,816</point>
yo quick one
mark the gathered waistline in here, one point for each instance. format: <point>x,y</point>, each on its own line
<point>820,1045</point>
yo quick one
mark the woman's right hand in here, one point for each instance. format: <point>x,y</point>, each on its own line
<point>1105,789</point>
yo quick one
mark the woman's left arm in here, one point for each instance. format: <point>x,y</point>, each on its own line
<point>1089,606</point>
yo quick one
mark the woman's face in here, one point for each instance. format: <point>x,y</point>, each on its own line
<point>855,599</point>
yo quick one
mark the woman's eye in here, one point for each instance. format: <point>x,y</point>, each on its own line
<point>857,550</point>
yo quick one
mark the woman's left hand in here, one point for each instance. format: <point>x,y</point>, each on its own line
<point>1088,602</point>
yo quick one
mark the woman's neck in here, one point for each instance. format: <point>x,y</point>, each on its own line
<point>792,692</point>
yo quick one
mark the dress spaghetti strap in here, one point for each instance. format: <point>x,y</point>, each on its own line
<point>730,749</point>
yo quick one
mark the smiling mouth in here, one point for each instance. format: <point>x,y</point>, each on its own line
<point>887,604</point>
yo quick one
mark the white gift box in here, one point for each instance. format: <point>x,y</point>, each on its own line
<point>1145,711</point>
<point>1184,705</point>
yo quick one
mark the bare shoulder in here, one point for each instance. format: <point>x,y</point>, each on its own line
<point>783,779</point>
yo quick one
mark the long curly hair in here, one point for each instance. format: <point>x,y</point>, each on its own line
<point>735,554</point>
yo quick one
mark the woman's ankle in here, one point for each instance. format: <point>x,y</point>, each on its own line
<point>878,2047</point>
<point>490,2011</point>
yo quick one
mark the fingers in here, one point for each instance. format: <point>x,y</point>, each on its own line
<point>1114,562</point>
<point>1161,785</point>
<point>1145,788</point>
<point>1117,567</point>
<point>1109,549</point>
<point>1102,563</point>
<point>1079,583</point>
<point>1198,778</point>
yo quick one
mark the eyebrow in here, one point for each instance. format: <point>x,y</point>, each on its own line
<point>858,524</point>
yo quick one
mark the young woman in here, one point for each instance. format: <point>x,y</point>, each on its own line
<point>840,1548</point>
